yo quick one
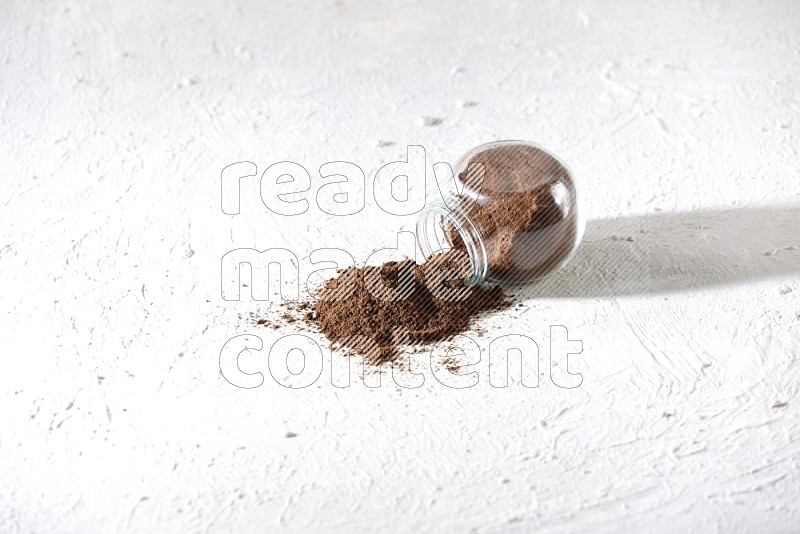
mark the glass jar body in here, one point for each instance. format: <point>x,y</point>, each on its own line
<point>513,208</point>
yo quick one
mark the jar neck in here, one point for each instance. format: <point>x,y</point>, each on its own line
<point>443,225</point>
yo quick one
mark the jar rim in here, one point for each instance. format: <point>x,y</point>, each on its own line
<point>433,217</point>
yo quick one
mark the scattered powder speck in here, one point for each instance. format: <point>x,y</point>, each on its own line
<point>426,121</point>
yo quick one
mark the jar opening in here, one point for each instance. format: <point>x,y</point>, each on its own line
<point>437,227</point>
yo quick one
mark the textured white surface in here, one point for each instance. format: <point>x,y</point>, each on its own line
<point>682,118</point>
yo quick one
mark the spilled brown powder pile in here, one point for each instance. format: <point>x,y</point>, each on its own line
<point>376,310</point>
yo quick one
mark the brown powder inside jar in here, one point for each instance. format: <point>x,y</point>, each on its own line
<point>524,205</point>
<point>357,310</point>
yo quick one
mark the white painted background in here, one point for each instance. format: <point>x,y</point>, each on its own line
<point>682,118</point>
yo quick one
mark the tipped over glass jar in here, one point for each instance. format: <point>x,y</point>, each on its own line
<point>513,210</point>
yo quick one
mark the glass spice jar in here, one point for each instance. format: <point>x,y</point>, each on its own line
<point>514,211</point>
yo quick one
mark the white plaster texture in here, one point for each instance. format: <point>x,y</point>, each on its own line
<point>681,118</point>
